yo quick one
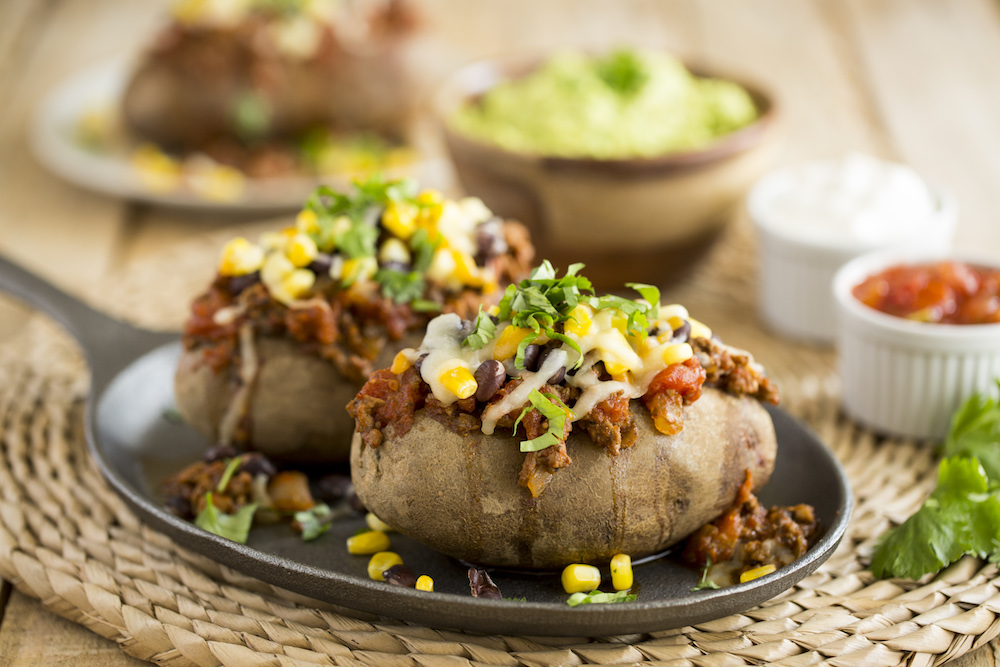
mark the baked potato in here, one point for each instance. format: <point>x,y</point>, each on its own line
<point>251,72</point>
<point>291,327</point>
<point>614,426</point>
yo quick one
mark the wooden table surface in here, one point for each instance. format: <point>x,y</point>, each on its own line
<point>912,80</point>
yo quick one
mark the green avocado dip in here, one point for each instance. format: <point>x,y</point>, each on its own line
<point>623,105</point>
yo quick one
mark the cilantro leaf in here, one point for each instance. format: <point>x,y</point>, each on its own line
<point>425,306</point>
<point>400,286</point>
<point>705,582</point>
<point>975,432</point>
<point>358,241</point>
<point>552,409</point>
<point>483,331</point>
<point>959,518</point>
<point>235,527</point>
<point>314,521</point>
<point>228,473</point>
<point>597,597</point>
<point>423,249</point>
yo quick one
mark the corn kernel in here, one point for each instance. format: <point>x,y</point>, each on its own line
<point>425,583</point>
<point>400,218</point>
<point>368,542</point>
<point>493,310</point>
<point>307,221</point>
<point>376,523</point>
<point>158,171</point>
<point>580,320</point>
<point>675,322</point>
<point>298,283</point>
<point>621,572</point>
<point>430,198</point>
<point>275,269</point>
<point>341,226</point>
<point>509,339</point>
<point>756,573</point>
<point>381,562</point>
<point>394,250</point>
<point>359,269</point>
<point>217,182</point>
<point>273,240</point>
<point>301,250</point>
<point>699,330</point>
<point>648,343</point>
<point>615,368</point>
<point>677,354</point>
<point>400,363</point>
<point>442,268</point>
<point>240,257</point>
<point>459,381</point>
<point>577,578</point>
<point>673,310</point>
<point>466,270</point>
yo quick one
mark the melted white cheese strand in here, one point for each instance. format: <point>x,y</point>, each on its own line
<point>240,402</point>
<point>516,399</point>
<point>444,349</point>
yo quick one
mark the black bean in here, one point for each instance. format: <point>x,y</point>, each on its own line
<point>490,241</point>
<point>218,452</point>
<point>393,265</point>
<point>256,463</point>
<point>356,504</point>
<point>682,333</point>
<point>654,332</point>
<point>558,376</point>
<point>482,586</point>
<point>490,376</point>
<point>420,361</point>
<point>400,575</point>
<point>466,328</point>
<point>321,264</point>
<point>239,283</point>
<point>333,488</point>
<point>531,357</point>
<point>179,506</point>
<point>602,373</point>
<point>494,319</point>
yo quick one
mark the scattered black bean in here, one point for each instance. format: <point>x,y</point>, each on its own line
<point>654,332</point>
<point>239,283</point>
<point>490,376</point>
<point>558,376</point>
<point>321,264</point>
<point>531,357</point>
<point>466,328</point>
<point>490,241</point>
<point>494,319</point>
<point>256,463</point>
<point>420,361</point>
<point>482,586</point>
<point>682,333</point>
<point>179,506</point>
<point>400,575</point>
<point>602,373</point>
<point>218,452</point>
<point>356,504</point>
<point>334,488</point>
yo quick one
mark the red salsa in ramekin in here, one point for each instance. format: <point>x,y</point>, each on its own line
<point>943,292</point>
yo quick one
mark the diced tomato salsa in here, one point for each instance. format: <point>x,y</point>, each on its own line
<point>945,292</point>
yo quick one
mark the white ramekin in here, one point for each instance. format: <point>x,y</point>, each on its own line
<point>796,270</point>
<point>907,378</point>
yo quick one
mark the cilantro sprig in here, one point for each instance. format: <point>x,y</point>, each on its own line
<point>235,527</point>
<point>483,330</point>
<point>962,515</point>
<point>553,410</point>
<point>597,597</point>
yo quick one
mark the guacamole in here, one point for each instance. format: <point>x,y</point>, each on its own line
<point>622,105</point>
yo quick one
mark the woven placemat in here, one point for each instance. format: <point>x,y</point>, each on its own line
<point>68,541</point>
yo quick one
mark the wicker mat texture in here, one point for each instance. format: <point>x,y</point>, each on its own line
<point>67,540</point>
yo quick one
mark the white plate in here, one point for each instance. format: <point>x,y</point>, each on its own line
<point>112,173</point>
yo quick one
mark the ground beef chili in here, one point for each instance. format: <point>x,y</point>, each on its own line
<point>748,536</point>
<point>945,292</point>
<point>386,405</point>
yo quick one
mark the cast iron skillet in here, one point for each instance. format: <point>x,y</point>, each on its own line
<point>135,445</point>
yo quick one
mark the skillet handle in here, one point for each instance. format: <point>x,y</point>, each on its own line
<point>109,344</point>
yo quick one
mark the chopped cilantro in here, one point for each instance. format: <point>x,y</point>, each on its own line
<point>597,597</point>
<point>425,306</point>
<point>555,411</point>
<point>235,527</point>
<point>173,416</point>
<point>400,286</point>
<point>423,249</point>
<point>482,332</point>
<point>358,241</point>
<point>314,521</point>
<point>705,582</point>
<point>227,474</point>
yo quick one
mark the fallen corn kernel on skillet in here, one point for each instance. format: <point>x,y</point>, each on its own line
<point>136,444</point>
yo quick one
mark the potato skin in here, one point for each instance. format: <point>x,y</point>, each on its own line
<point>297,405</point>
<point>459,494</point>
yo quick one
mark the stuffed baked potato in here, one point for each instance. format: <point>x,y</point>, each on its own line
<point>292,326</point>
<point>561,428</point>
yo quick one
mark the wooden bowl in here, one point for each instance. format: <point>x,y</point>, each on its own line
<point>640,219</point>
